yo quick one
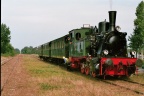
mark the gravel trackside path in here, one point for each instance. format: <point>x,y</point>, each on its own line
<point>14,79</point>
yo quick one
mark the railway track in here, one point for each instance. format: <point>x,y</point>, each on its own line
<point>6,61</point>
<point>6,74</point>
<point>128,85</point>
<point>125,84</point>
<point>132,82</point>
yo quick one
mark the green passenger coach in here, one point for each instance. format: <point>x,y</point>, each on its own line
<point>55,50</point>
<point>79,43</point>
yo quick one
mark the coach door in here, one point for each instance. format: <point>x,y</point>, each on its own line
<point>66,47</point>
<point>50,49</point>
<point>41,50</point>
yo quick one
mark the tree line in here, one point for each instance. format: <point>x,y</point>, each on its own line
<point>29,50</point>
<point>6,47</point>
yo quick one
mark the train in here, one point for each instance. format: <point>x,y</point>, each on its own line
<point>97,51</point>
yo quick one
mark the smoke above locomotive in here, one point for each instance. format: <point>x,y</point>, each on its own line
<point>96,51</point>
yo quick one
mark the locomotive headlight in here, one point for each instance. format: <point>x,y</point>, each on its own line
<point>97,66</point>
<point>133,53</point>
<point>118,28</point>
<point>106,52</point>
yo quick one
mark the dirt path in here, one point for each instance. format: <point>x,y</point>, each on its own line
<point>19,83</point>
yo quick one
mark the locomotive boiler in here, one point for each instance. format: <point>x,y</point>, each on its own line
<point>96,51</point>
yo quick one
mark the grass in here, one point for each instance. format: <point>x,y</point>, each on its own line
<point>46,86</point>
<point>8,54</point>
<point>54,80</point>
<point>138,78</point>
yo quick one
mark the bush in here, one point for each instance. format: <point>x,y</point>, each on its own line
<point>143,66</point>
<point>8,54</point>
<point>139,63</point>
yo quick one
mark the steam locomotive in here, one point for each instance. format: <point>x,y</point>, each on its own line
<point>96,51</point>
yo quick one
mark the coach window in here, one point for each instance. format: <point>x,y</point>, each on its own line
<point>58,44</point>
<point>70,35</point>
<point>47,46</point>
<point>50,44</point>
<point>55,45</point>
<point>62,44</point>
<point>78,36</point>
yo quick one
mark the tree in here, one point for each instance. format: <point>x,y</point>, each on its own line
<point>137,38</point>
<point>17,51</point>
<point>24,50</point>
<point>27,50</point>
<point>10,49</point>
<point>6,47</point>
<point>5,38</point>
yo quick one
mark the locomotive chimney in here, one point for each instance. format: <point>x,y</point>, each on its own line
<point>112,19</point>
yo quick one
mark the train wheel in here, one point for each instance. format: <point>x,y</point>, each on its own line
<point>82,70</point>
<point>93,74</point>
<point>87,70</point>
<point>69,67</point>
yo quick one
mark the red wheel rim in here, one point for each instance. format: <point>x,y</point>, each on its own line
<point>93,74</point>
<point>82,70</point>
<point>87,70</point>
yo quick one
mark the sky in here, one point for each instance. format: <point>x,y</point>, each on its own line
<point>35,22</point>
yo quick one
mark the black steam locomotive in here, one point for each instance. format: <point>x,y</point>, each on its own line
<point>96,51</point>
